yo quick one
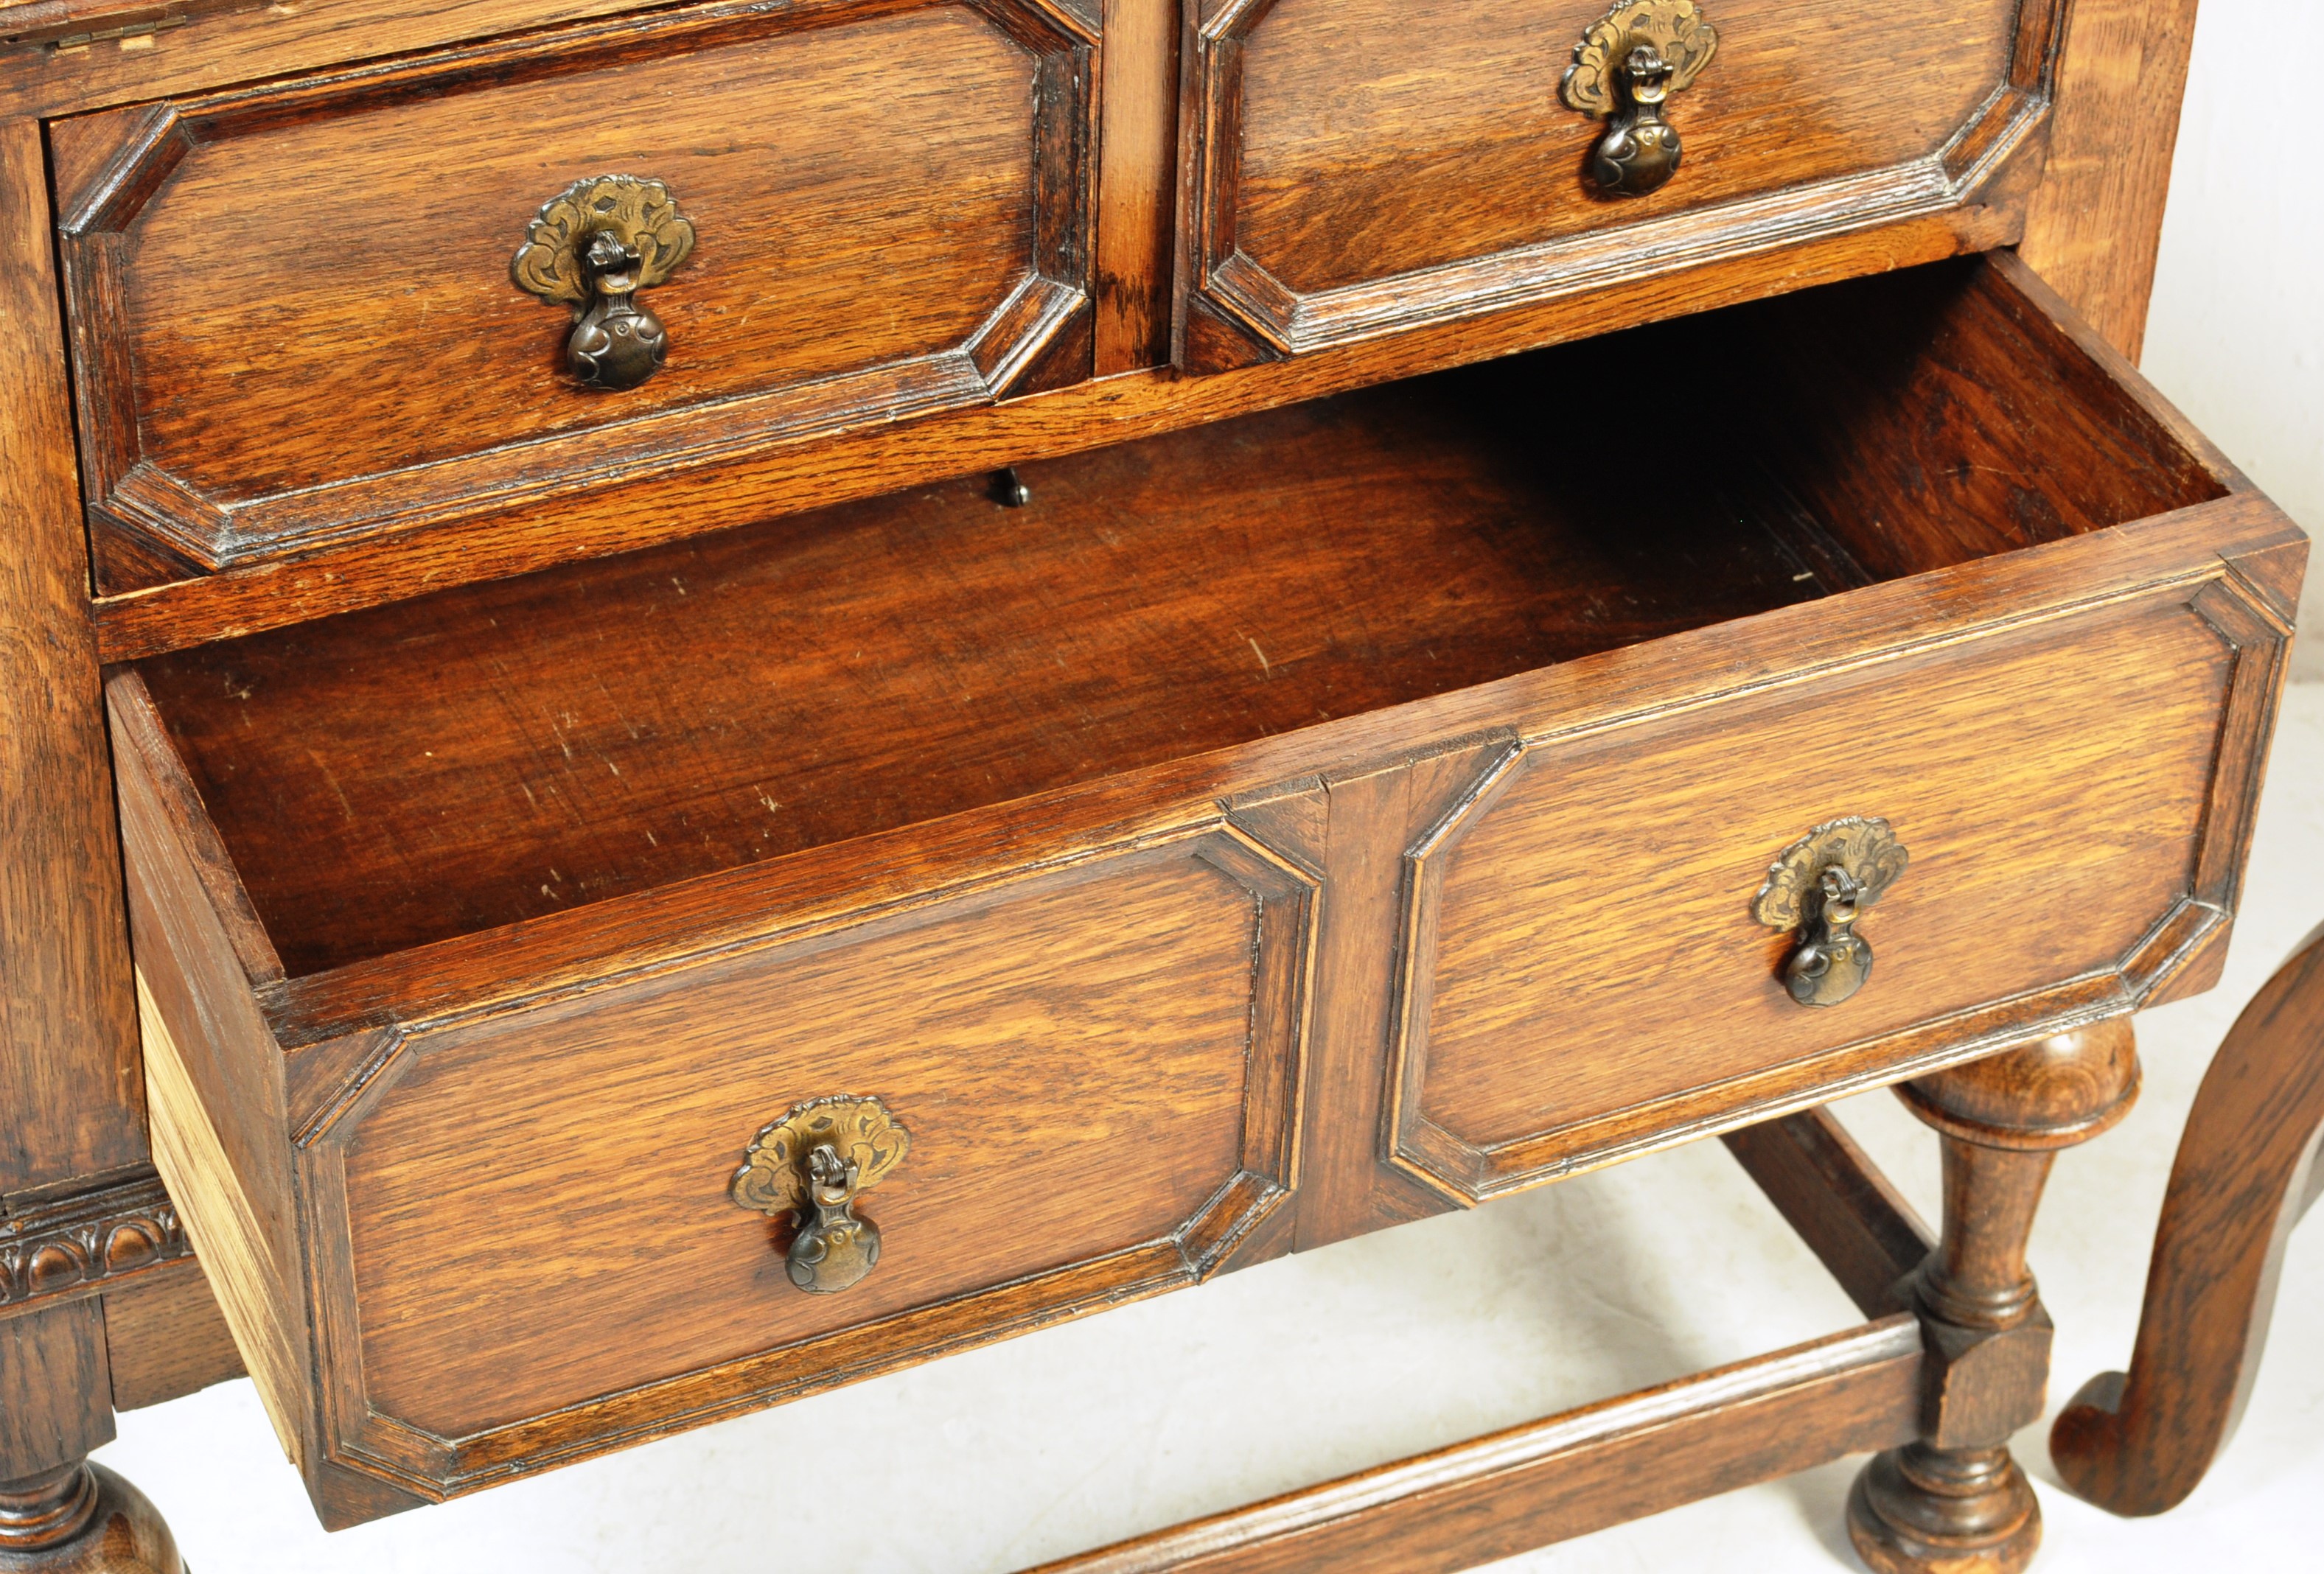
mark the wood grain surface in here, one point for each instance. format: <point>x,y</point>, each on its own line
<point>213,1075</point>
<point>1380,137</point>
<point>601,1136</point>
<point>1137,220</point>
<point>56,1399</point>
<point>881,459</point>
<point>1859,1225</point>
<point>441,767</point>
<point>2050,787</point>
<point>1900,425</point>
<point>880,230</point>
<point>165,1338</point>
<point>1103,891</point>
<point>2096,223</point>
<point>1565,1476</point>
<point>2246,1170</point>
<point>1367,167</point>
<point>69,1080</point>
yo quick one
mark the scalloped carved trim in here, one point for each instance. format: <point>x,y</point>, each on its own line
<point>85,1242</point>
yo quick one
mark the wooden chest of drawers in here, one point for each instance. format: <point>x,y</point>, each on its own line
<point>1537,546</point>
<point>1186,886</point>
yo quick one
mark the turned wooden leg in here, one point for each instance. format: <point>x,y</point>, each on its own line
<point>58,1513</point>
<point>2247,1169</point>
<point>1954,1502</point>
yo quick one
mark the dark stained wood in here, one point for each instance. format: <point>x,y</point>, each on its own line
<point>2119,711</point>
<point>215,1094</point>
<point>55,1397</point>
<point>881,458</point>
<point>1911,467</point>
<point>2138,1443</point>
<point>1954,1498</point>
<point>69,1078</point>
<point>165,1338</point>
<point>892,202</point>
<point>1360,166</point>
<point>1915,469</point>
<point>2097,223</point>
<point>1832,1196</point>
<point>498,754</point>
<point>87,1237</point>
<point>1565,1476</point>
<point>25,24</point>
<point>992,1028</point>
<point>1960,413</point>
<point>1094,871</point>
<point>1137,214</point>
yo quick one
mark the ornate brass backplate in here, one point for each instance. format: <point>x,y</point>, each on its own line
<point>593,246</point>
<point>812,1164</point>
<point>1625,66</point>
<point>1819,886</point>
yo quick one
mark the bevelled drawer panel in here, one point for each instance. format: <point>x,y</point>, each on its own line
<point>1256,835</point>
<point>1588,967</point>
<point>992,1027</point>
<point>1366,166</point>
<point>301,316</point>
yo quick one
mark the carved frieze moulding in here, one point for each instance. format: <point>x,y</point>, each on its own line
<point>83,1242</point>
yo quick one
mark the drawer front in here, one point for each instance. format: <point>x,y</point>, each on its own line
<point>1365,166</point>
<point>1588,972</point>
<point>1096,1069</point>
<point>296,319</point>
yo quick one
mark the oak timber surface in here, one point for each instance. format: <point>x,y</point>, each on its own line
<point>1378,136</point>
<point>68,1079</point>
<point>889,205</point>
<point>1061,861</point>
<point>442,766</point>
<point>2050,788</point>
<point>1070,1064</point>
<point>806,264</point>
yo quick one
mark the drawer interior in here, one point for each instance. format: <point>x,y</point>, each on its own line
<point>441,766</point>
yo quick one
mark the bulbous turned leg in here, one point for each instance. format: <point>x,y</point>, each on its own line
<point>58,1513</point>
<point>1955,1502</point>
<point>82,1519</point>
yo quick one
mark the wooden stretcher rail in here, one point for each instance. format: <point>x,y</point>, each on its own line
<point>1569,1474</point>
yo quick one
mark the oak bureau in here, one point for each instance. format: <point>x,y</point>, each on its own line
<point>949,662</point>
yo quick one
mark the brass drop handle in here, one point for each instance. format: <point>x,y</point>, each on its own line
<point>593,246</point>
<point>1624,69</point>
<point>1820,886</point>
<point>812,1164</point>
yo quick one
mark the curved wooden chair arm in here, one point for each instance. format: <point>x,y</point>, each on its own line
<point>2246,1170</point>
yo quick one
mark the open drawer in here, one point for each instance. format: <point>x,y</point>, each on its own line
<point>1270,831</point>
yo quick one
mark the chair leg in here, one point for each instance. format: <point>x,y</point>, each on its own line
<point>2137,1444</point>
<point>1954,1502</point>
<point>58,1513</point>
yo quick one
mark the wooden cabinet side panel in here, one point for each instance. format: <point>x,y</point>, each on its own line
<point>215,1082</point>
<point>165,1338</point>
<point>68,1071</point>
<point>2096,222</point>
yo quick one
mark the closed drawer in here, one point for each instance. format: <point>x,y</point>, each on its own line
<point>1269,832</point>
<point>297,321</point>
<point>1361,167</point>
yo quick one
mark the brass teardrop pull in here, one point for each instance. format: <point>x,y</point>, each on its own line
<point>1820,886</point>
<point>813,1163</point>
<point>1624,71</point>
<point>593,246</point>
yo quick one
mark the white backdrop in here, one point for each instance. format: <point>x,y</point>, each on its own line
<point>2237,337</point>
<point>1343,1358</point>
